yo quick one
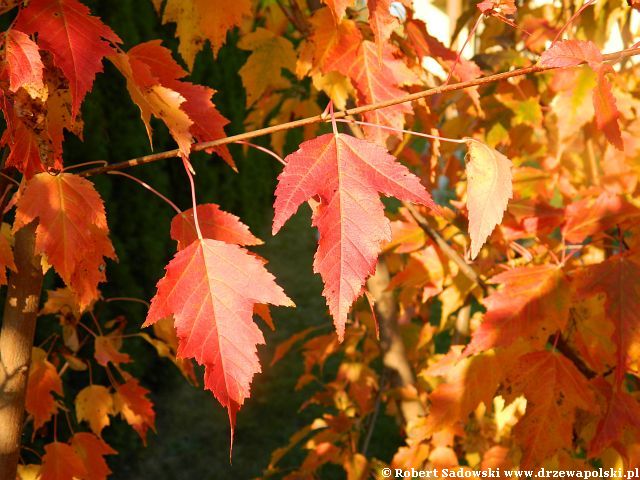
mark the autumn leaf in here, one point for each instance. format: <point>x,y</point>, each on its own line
<point>338,7</point>
<point>156,100</point>
<point>72,229</point>
<point>554,389</point>
<point>505,7</point>
<point>207,122</point>
<point>347,174</point>
<point>328,38</point>
<point>43,382</point>
<point>607,114</point>
<point>489,188</point>
<point>376,74</point>
<point>26,148</point>
<point>130,400</point>
<point>24,64</point>
<point>621,413</point>
<point>571,53</point>
<point>269,55</point>
<point>376,79</point>
<point>107,349</point>
<point>210,288</point>
<point>91,450</point>
<point>617,278</point>
<point>94,404</point>
<point>61,462</point>
<point>591,218</point>
<point>573,105</point>
<point>200,20</point>
<point>533,304</point>
<point>61,301</point>
<point>215,224</point>
<point>382,22</point>
<point>77,40</point>
<point>468,382</point>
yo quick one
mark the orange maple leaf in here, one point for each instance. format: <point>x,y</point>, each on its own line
<point>554,389</point>
<point>72,229</point>
<point>617,277</point>
<point>91,450</point>
<point>61,462</point>
<point>43,382</point>
<point>533,304</point>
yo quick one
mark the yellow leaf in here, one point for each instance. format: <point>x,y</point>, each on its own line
<point>489,189</point>
<point>270,54</point>
<point>337,87</point>
<point>200,20</point>
<point>94,404</point>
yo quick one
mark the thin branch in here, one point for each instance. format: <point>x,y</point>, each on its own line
<point>197,147</point>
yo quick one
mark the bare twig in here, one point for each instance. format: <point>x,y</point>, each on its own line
<point>197,147</point>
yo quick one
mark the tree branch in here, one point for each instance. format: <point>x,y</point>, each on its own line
<point>196,147</point>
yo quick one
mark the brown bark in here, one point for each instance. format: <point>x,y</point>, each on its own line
<point>394,357</point>
<point>16,342</point>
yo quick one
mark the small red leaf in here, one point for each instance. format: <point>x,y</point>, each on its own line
<point>571,53</point>
<point>23,63</point>
<point>43,382</point>
<point>131,401</point>
<point>77,40</point>
<point>215,224</point>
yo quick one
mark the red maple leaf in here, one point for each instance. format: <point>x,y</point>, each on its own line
<point>77,40</point>
<point>24,64</point>
<point>347,174</point>
<point>210,289</point>
<point>622,413</point>
<point>131,401</point>
<point>214,223</point>
<point>377,78</point>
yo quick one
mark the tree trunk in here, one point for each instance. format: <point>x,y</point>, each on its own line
<point>16,342</point>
